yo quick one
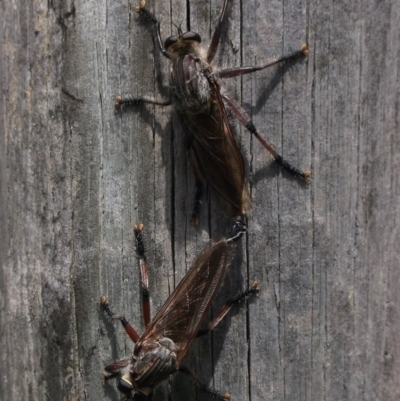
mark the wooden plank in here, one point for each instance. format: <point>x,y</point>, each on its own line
<point>76,174</point>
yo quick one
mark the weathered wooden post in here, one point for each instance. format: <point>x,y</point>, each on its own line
<point>76,174</point>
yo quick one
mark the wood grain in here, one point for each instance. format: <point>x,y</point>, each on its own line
<point>75,175</point>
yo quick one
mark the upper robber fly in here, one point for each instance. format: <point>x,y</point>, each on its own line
<point>158,353</point>
<point>201,107</point>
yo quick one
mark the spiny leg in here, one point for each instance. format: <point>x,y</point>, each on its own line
<point>242,116</point>
<point>133,335</point>
<point>234,72</point>
<point>199,192</point>
<point>142,11</point>
<point>143,273</point>
<point>129,101</point>
<point>212,49</point>
<point>136,101</point>
<point>213,393</point>
<point>226,308</point>
<point>113,369</point>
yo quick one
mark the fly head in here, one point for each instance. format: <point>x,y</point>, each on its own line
<point>183,43</point>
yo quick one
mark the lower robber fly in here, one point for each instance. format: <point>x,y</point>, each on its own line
<point>213,153</point>
<point>158,353</point>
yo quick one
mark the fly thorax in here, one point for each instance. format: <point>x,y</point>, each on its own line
<point>153,363</point>
<point>190,89</point>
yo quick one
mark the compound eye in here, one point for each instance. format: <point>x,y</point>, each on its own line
<point>192,36</point>
<point>170,41</point>
<point>124,386</point>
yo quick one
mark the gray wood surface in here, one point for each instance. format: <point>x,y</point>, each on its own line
<point>75,175</point>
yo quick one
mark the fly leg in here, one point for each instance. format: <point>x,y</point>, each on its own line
<point>225,309</point>
<point>119,101</point>
<point>199,192</point>
<point>239,228</point>
<point>113,369</point>
<point>137,228</point>
<point>212,49</point>
<point>213,393</point>
<point>228,305</point>
<point>136,101</point>
<point>142,11</point>
<point>242,116</point>
<point>134,336</point>
<point>234,72</point>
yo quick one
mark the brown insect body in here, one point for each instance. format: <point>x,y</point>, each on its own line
<point>158,353</point>
<point>163,345</point>
<point>214,155</point>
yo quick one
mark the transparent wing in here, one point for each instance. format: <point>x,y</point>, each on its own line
<point>181,316</point>
<point>216,155</point>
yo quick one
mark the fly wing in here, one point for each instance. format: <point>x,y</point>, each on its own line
<point>216,155</point>
<point>181,316</point>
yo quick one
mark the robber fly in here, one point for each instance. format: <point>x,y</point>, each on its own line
<point>201,107</point>
<point>158,353</point>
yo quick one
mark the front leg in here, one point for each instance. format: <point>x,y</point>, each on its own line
<point>212,50</point>
<point>132,333</point>
<point>113,369</point>
<point>143,273</point>
<point>136,101</point>
<point>132,101</point>
<point>141,10</point>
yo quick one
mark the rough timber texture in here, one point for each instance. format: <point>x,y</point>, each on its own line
<point>75,176</point>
